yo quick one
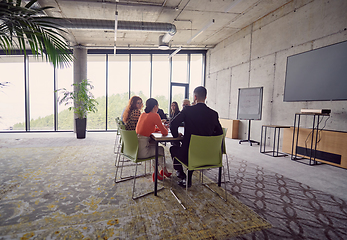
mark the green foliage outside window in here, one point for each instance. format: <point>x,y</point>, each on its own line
<point>116,104</point>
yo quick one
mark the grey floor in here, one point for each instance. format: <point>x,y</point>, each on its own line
<point>323,177</point>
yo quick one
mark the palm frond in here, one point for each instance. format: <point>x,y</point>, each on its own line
<point>20,27</point>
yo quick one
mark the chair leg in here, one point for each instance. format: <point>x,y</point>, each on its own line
<point>226,155</point>
<point>121,171</point>
<point>142,195</point>
<point>225,189</point>
<point>225,184</point>
<point>116,148</point>
<point>122,178</point>
<point>118,153</point>
<point>178,200</point>
<point>117,166</point>
<point>115,144</point>
<point>227,160</point>
<point>187,183</point>
<point>134,182</point>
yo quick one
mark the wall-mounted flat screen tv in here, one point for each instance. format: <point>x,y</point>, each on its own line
<point>317,75</point>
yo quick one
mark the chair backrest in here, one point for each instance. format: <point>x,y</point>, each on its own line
<point>224,134</point>
<point>205,151</point>
<point>130,143</point>
<point>120,124</point>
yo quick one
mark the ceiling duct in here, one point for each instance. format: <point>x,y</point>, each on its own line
<point>76,23</point>
<point>163,45</point>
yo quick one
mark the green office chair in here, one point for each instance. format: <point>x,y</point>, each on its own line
<point>117,150</point>
<point>204,152</point>
<point>117,142</point>
<point>130,146</point>
<point>225,151</point>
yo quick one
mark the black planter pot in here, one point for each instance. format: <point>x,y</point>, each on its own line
<point>81,125</point>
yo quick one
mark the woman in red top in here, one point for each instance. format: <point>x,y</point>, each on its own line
<point>148,123</point>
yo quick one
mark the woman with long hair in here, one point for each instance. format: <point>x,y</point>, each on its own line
<point>150,122</point>
<point>174,110</point>
<point>132,112</point>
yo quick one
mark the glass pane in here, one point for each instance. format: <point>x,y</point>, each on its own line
<point>178,94</point>
<point>118,87</point>
<point>160,82</point>
<point>140,76</point>
<point>196,71</point>
<point>179,68</point>
<point>41,94</point>
<point>12,105</point>
<point>65,117</point>
<point>97,76</point>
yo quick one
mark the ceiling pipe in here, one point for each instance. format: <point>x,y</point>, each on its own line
<point>76,23</point>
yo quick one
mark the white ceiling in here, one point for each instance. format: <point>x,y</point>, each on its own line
<point>189,16</point>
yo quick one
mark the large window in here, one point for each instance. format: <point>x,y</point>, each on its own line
<point>161,80</point>
<point>97,76</point>
<point>140,76</point>
<point>64,79</point>
<point>41,94</point>
<point>12,101</point>
<point>180,68</point>
<point>196,71</point>
<point>29,102</point>
<point>118,87</point>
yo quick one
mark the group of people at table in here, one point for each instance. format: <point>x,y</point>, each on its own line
<point>198,119</point>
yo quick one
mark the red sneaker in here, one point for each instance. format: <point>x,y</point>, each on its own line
<point>167,174</point>
<point>160,177</point>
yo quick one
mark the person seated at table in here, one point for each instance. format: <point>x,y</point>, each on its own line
<point>150,122</point>
<point>199,120</point>
<point>162,114</point>
<point>185,102</point>
<point>132,112</point>
<point>174,110</point>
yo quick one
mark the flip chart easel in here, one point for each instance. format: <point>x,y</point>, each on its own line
<point>250,108</point>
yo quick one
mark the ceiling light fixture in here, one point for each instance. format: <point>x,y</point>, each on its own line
<point>200,31</point>
<point>175,52</point>
<point>163,45</point>
<point>233,4</point>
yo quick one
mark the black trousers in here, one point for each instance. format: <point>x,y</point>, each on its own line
<point>176,151</point>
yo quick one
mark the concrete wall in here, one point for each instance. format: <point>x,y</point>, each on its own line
<point>256,56</point>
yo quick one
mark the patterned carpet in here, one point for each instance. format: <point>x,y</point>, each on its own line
<point>63,188</point>
<point>295,210</point>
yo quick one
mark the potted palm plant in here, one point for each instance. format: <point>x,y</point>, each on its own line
<point>83,102</point>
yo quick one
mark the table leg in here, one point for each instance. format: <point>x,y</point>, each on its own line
<point>278,140</point>
<point>315,145</point>
<point>220,177</point>
<point>261,139</point>
<point>156,170</point>
<point>311,150</point>
<point>274,144</point>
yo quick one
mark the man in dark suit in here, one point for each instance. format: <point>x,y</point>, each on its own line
<point>161,114</point>
<point>198,120</point>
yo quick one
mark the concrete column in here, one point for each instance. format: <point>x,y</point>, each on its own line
<point>79,66</point>
<point>80,63</point>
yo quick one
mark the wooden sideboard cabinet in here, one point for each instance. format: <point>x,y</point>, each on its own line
<point>232,126</point>
<point>331,146</point>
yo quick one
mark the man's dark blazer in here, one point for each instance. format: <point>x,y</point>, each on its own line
<point>161,114</point>
<point>198,120</point>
